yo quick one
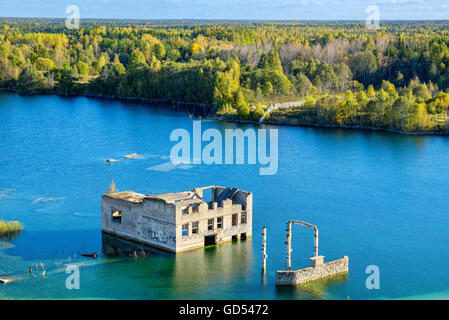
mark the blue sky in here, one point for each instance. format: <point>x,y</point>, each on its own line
<point>230,9</point>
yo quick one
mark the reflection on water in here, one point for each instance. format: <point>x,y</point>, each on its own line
<point>419,142</point>
<point>9,236</point>
<point>118,247</point>
<point>191,270</point>
<point>221,263</point>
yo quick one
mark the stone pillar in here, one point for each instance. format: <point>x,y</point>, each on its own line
<point>317,261</point>
<point>226,204</point>
<point>315,254</point>
<point>289,245</point>
<point>264,249</point>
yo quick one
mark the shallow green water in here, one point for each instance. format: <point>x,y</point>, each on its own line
<point>381,199</point>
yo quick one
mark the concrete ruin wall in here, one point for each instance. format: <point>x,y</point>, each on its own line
<point>331,268</point>
<point>204,213</point>
<point>157,230</point>
<point>157,223</point>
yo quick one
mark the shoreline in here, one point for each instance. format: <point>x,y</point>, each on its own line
<point>174,105</point>
<point>358,128</point>
<point>332,126</point>
<point>195,107</point>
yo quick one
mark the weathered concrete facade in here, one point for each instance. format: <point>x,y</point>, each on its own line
<point>178,222</point>
<point>318,270</point>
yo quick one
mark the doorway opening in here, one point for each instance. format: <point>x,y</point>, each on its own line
<point>209,240</point>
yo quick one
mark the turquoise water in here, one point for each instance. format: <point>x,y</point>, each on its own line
<point>381,199</point>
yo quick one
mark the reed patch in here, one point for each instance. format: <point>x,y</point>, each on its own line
<point>9,229</point>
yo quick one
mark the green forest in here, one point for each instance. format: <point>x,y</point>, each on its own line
<point>393,78</point>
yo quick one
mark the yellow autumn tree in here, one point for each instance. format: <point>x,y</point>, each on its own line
<point>112,188</point>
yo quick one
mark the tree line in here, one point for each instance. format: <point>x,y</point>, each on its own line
<point>395,77</point>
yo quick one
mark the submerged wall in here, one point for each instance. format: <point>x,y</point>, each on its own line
<point>318,270</point>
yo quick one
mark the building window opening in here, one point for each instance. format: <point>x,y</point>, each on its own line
<point>220,223</point>
<point>185,230</point>
<point>208,195</point>
<point>116,216</point>
<point>195,227</point>
<point>243,218</point>
<point>235,219</point>
<point>243,236</point>
<point>235,238</point>
<point>210,224</point>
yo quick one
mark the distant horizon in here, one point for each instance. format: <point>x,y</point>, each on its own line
<point>235,20</point>
<point>248,10</point>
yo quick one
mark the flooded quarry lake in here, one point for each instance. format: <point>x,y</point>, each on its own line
<point>381,199</point>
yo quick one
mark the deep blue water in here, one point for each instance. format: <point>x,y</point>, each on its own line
<point>381,199</point>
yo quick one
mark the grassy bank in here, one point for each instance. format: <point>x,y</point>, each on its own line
<point>9,228</point>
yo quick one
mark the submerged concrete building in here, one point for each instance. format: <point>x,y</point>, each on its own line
<point>179,222</point>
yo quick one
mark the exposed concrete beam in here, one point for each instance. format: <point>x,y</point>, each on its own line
<point>264,249</point>
<point>288,243</point>
<point>315,251</point>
